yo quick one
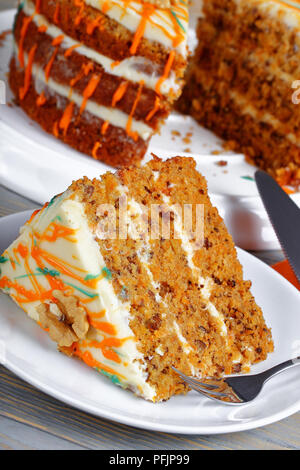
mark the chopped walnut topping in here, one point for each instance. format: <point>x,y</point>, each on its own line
<point>67,322</point>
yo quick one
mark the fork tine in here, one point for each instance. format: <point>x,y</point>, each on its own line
<point>209,392</point>
<point>206,385</point>
<point>197,387</point>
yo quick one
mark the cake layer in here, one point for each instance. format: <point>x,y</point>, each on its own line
<point>245,133</point>
<point>76,72</point>
<point>86,132</point>
<point>269,25</point>
<point>134,69</point>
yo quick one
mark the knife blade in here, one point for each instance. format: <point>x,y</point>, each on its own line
<point>284,215</point>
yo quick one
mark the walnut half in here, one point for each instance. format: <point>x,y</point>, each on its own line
<point>67,322</point>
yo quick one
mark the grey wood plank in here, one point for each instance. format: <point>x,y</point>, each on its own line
<point>4,4</point>
<point>23,403</point>
<point>11,202</point>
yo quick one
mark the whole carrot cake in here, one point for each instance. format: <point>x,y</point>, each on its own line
<point>133,298</point>
<point>240,80</point>
<point>101,75</point>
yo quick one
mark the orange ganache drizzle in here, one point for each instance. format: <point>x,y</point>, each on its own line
<point>55,129</point>
<point>147,11</point>
<point>69,51</point>
<point>58,40</point>
<point>42,29</point>
<point>154,109</point>
<point>67,118</point>
<point>166,73</point>
<point>96,147</point>
<point>50,64</point>
<point>87,357</point>
<point>41,99</point>
<point>105,7</point>
<point>56,14</point>
<point>28,72</point>
<point>80,5</point>
<point>132,134</point>
<point>104,127</point>
<point>89,91</point>
<point>119,93</point>
<point>92,25</point>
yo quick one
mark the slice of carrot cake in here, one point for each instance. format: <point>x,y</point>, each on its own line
<point>101,75</point>
<point>135,273</point>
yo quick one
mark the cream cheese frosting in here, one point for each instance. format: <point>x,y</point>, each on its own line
<point>57,249</point>
<point>114,116</point>
<point>128,68</point>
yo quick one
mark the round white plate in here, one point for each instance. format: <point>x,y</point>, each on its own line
<point>27,351</point>
<point>37,165</point>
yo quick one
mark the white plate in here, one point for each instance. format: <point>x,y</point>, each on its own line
<point>28,352</point>
<point>37,165</point>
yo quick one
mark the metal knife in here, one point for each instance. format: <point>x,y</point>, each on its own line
<point>284,215</point>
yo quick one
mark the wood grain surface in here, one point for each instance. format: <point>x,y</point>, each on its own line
<point>30,419</point>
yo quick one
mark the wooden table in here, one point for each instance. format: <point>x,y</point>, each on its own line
<point>29,419</point>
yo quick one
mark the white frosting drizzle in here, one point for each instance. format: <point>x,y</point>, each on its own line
<point>114,116</point>
<point>127,68</point>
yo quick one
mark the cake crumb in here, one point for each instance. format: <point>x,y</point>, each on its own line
<point>176,133</point>
<point>3,36</point>
<point>221,163</point>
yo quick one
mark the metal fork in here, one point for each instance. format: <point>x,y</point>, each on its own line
<point>238,389</point>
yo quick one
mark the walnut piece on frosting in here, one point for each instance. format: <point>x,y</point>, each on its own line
<point>67,322</point>
<point>159,3</point>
